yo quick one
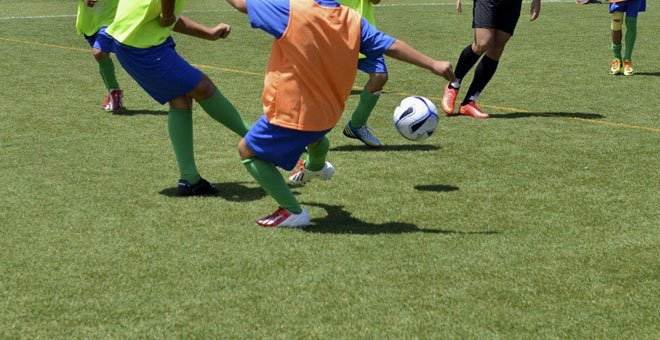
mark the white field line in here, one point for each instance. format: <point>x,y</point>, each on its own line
<point>467,2</point>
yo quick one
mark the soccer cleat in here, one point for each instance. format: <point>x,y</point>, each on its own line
<point>616,67</point>
<point>283,218</point>
<point>303,175</point>
<point>448,102</point>
<point>627,68</point>
<point>116,100</point>
<point>201,188</point>
<point>471,109</point>
<point>106,102</point>
<point>362,134</point>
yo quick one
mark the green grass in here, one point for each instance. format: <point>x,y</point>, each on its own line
<point>542,222</point>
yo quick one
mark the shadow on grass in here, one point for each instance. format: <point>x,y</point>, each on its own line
<point>127,112</point>
<point>651,74</point>
<point>581,115</point>
<point>436,187</point>
<point>340,221</point>
<point>230,191</point>
<point>401,147</point>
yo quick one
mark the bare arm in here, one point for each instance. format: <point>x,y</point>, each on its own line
<point>535,9</point>
<point>190,27</point>
<point>240,5</point>
<point>167,17</point>
<point>402,51</point>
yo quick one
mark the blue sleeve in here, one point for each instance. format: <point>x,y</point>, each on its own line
<point>374,43</point>
<point>271,16</point>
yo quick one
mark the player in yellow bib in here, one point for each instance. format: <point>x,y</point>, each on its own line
<point>141,39</point>
<point>93,18</point>
<point>377,70</point>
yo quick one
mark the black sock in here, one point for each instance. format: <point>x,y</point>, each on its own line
<point>466,60</point>
<point>485,70</point>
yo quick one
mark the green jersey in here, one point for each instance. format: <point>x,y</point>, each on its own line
<point>363,7</point>
<point>91,19</point>
<point>137,23</point>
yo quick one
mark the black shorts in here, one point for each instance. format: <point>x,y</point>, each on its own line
<point>496,14</point>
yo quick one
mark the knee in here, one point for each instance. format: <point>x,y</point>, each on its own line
<point>378,80</point>
<point>243,150</point>
<point>99,55</point>
<point>617,21</point>
<point>204,89</point>
<point>481,46</point>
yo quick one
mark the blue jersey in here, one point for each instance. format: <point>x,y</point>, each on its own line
<point>272,16</point>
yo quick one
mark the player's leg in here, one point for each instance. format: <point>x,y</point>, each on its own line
<point>491,43</point>
<point>357,126</point>
<point>218,106</point>
<point>616,65</point>
<point>263,148</point>
<point>483,22</point>
<point>100,45</point>
<point>632,11</point>
<point>180,131</point>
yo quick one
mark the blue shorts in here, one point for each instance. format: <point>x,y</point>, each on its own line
<point>159,70</point>
<point>371,65</point>
<point>631,7</point>
<point>277,145</point>
<point>99,40</point>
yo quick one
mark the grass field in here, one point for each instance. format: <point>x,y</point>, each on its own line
<point>542,222</point>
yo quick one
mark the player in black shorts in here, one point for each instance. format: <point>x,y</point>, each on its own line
<point>494,22</point>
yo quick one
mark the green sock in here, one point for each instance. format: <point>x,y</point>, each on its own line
<point>220,109</point>
<point>179,126</point>
<point>362,112</point>
<point>107,71</point>
<point>272,181</point>
<point>617,51</point>
<point>631,36</point>
<point>316,156</point>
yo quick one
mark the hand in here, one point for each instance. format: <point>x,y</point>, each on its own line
<point>220,31</point>
<point>459,9</point>
<point>443,69</point>
<point>167,20</point>
<point>90,3</point>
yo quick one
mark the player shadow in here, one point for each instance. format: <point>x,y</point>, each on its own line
<point>127,112</point>
<point>651,74</point>
<point>514,115</point>
<point>340,221</point>
<point>229,191</point>
<point>436,188</point>
<point>387,148</point>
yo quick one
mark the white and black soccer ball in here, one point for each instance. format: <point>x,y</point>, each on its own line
<point>416,118</point>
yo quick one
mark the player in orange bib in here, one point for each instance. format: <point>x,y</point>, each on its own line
<point>310,74</point>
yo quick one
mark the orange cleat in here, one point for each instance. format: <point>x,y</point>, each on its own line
<point>449,100</point>
<point>616,67</point>
<point>471,109</point>
<point>628,68</point>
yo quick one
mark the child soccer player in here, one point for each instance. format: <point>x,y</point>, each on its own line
<point>141,37</point>
<point>375,67</point>
<point>494,22</point>
<point>93,18</point>
<point>631,8</point>
<point>308,79</point>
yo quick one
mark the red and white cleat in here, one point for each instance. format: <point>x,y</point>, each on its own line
<point>283,218</point>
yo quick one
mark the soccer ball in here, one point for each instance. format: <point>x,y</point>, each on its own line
<point>416,118</point>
